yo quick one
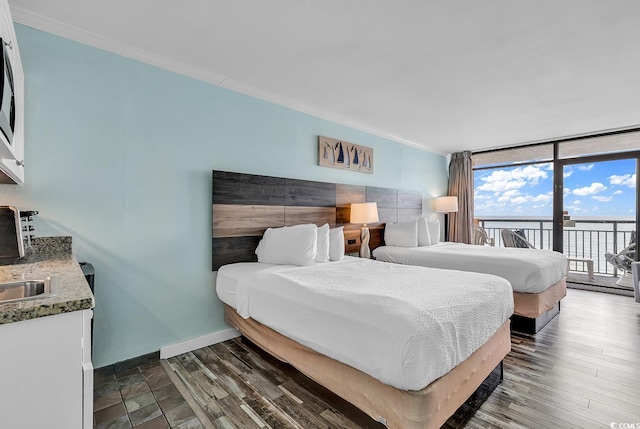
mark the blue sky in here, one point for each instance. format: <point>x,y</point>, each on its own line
<point>590,190</point>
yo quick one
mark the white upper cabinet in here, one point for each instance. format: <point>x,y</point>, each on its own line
<point>11,102</point>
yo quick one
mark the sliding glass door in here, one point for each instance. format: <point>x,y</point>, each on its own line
<point>599,219</point>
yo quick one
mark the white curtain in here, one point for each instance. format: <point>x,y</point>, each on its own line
<point>461,186</point>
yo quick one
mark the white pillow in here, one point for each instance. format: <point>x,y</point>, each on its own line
<point>424,238</point>
<point>403,234</point>
<point>323,244</point>
<point>336,243</point>
<point>434,230</point>
<point>290,245</point>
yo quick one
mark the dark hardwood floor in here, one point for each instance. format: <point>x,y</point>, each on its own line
<point>580,371</point>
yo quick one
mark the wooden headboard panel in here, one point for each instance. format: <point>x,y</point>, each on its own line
<point>245,205</point>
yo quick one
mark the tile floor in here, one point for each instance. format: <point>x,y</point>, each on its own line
<point>143,398</point>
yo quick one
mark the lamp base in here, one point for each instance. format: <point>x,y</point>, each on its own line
<point>446,226</point>
<point>365,252</point>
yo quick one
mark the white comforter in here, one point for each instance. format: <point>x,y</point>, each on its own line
<point>528,270</point>
<point>405,326</point>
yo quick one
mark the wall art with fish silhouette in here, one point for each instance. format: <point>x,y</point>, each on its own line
<point>344,155</point>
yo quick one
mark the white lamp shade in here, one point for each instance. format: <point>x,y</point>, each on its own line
<point>364,213</point>
<point>447,204</point>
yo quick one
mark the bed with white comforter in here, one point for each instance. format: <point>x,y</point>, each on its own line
<point>528,270</point>
<point>405,326</point>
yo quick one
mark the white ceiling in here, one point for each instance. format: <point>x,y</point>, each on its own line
<point>445,75</point>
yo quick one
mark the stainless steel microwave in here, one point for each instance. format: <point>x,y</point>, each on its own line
<point>7,97</point>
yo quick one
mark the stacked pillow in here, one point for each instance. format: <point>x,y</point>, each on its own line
<point>421,232</point>
<point>336,243</point>
<point>322,247</point>
<point>305,244</point>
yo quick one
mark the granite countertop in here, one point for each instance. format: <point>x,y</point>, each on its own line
<point>47,257</point>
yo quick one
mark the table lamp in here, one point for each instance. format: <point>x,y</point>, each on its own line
<point>364,213</point>
<point>446,205</point>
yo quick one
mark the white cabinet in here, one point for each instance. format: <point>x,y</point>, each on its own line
<point>46,372</point>
<point>12,152</point>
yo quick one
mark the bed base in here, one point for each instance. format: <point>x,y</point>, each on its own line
<point>528,325</point>
<point>428,408</point>
<point>532,311</point>
<point>457,421</point>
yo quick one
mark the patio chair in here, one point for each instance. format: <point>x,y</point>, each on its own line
<point>515,238</point>
<point>623,261</point>
<point>480,237</point>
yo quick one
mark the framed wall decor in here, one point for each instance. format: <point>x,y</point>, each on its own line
<point>344,155</point>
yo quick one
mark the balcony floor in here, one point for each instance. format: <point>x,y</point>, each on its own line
<point>601,283</point>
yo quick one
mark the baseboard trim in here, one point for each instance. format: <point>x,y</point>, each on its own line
<point>127,364</point>
<point>197,343</point>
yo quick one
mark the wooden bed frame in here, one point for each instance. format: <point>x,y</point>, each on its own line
<point>245,205</point>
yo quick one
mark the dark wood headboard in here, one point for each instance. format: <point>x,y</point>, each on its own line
<point>245,205</point>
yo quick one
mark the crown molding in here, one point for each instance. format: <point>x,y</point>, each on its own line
<point>323,114</point>
<point>95,40</point>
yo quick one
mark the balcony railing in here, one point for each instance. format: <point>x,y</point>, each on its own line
<point>590,238</point>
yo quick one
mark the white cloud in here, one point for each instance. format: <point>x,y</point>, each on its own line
<point>576,202</point>
<point>543,197</point>
<point>602,198</point>
<point>567,173</point>
<point>513,196</point>
<point>505,180</point>
<point>507,195</point>
<point>618,192</point>
<point>520,200</point>
<point>567,191</point>
<point>623,180</point>
<point>585,167</point>
<point>594,188</point>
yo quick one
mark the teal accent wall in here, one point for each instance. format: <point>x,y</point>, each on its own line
<point>119,155</point>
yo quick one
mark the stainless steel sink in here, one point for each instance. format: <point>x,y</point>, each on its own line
<point>23,290</point>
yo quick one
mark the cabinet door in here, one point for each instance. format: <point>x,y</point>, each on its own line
<point>12,155</point>
<point>87,371</point>
<point>41,372</point>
